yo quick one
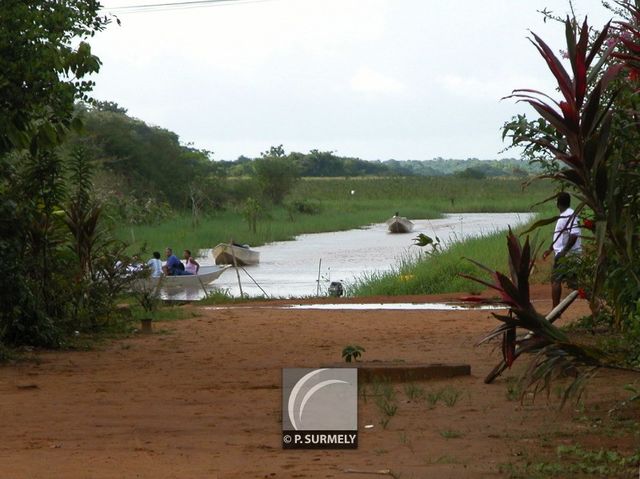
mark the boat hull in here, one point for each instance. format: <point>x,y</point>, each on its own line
<point>224,253</point>
<point>399,225</point>
<point>206,275</point>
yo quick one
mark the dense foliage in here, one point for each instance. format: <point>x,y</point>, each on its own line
<point>591,143</point>
<point>43,68</point>
<point>587,142</point>
<point>143,161</point>
<point>57,260</point>
<point>327,164</point>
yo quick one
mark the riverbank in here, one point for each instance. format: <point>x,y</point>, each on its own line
<point>338,204</point>
<point>220,227</point>
<point>306,267</point>
<point>437,272</point>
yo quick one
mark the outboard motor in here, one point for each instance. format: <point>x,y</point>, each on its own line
<point>336,289</point>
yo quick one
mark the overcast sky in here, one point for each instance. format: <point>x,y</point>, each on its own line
<point>376,79</point>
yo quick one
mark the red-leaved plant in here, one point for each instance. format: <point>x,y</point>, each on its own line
<point>583,142</point>
<point>556,354</point>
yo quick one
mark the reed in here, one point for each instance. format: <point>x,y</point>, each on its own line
<point>373,201</point>
<point>180,233</point>
<point>442,194</point>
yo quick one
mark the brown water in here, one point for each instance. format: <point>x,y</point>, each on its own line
<point>377,306</point>
<point>290,268</point>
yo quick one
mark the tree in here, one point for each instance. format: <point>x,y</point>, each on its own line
<point>111,106</point>
<point>42,68</point>
<point>276,174</point>
<point>44,60</point>
<point>148,161</point>
<point>473,172</point>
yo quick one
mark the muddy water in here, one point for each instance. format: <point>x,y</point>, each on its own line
<point>376,307</point>
<point>290,268</point>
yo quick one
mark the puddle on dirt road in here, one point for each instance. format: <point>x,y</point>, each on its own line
<point>398,306</point>
<point>289,269</point>
<point>377,306</point>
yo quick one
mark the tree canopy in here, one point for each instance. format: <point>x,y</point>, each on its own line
<point>44,60</point>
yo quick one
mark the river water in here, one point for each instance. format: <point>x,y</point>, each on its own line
<point>290,268</point>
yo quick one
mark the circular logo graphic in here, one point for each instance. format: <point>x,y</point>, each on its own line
<point>320,400</point>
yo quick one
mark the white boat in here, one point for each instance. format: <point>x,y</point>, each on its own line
<point>244,255</point>
<point>399,224</point>
<point>206,275</point>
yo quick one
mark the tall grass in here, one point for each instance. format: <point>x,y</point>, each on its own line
<point>373,201</point>
<point>442,194</point>
<point>222,226</point>
<point>440,272</point>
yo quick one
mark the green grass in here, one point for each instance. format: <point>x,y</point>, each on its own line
<point>576,461</point>
<point>440,272</point>
<point>433,397</point>
<point>447,395</point>
<point>514,389</point>
<point>179,233</point>
<point>451,434</point>
<point>442,194</point>
<point>374,200</point>
<point>413,391</point>
<point>450,396</point>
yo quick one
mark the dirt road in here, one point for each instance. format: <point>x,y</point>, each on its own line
<point>200,398</point>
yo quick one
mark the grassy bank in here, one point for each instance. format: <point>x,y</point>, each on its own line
<point>180,233</point>
<point>440,272</point>
<point>442,194</point>
<point>373,201</point>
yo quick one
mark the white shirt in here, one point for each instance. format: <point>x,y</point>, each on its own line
<point>156,267</point>
<point>565,227</point>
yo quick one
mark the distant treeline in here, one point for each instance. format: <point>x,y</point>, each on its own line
<point>327,164</point>
<point>144,170</point>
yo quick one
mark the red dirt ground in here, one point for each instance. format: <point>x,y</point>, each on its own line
<point>201,399</point>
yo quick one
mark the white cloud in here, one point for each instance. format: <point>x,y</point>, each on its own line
<point>370,78</point>
<point>367,80</point>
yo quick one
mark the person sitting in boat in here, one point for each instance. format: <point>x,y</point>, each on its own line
<point>191,265</point>
<point>155,265</point>
<point>173,266</point>
<point>132,267</point>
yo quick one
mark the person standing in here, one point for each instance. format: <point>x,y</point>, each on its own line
<point>566,240</point>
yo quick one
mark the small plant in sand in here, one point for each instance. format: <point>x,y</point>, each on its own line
<point>514,387</point>
<point>433,397</point>
<point>405,440</point>
<point>384,389</point>
<point>385,396</point>
<point>387,407</point>
<point>413,391</point>
<point>352,353</point>
<point>450,396</point>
